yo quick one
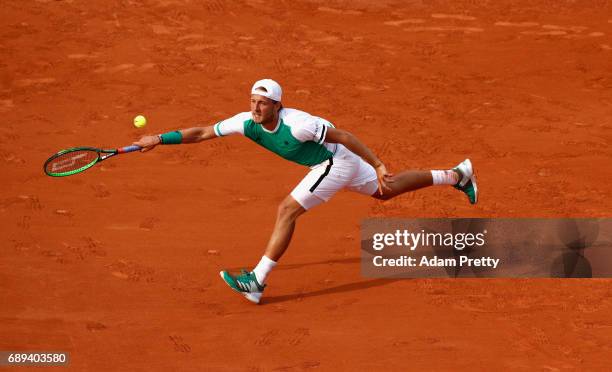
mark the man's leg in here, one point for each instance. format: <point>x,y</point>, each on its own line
<point>461,177</point>
<point>406,181</point>
<point>251,284</point>
<point>288,212</point>
<point>317,187</point>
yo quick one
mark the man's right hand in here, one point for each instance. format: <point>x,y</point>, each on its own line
<point>148,142</point>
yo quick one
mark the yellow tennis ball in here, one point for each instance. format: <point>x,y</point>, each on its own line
<point>140,121</point>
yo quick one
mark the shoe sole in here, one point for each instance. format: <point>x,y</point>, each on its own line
<point>253,297</point>
<point>469,169</point>
<point>473,179</point>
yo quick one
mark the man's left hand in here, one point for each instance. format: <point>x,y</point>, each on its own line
<point>384,178</point>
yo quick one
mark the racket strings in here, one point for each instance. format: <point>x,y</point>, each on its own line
<point>71,161</point>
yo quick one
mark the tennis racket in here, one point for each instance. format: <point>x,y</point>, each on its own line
<point>78,159</point>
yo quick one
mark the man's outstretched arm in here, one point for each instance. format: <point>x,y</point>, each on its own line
<point>188,135</point>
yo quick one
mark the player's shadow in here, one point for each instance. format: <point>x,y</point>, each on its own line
<point>342,261</point>
<point>577,236</point>
<point>350,287</point>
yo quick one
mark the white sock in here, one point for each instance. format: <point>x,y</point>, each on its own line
<point>263,268</point>
<point>444,177</point>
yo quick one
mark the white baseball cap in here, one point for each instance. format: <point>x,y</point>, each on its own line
<point>273,89</point>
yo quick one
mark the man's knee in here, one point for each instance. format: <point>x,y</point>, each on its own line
<point>290,209</point>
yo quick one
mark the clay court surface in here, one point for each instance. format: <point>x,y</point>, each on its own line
<point>119,265</point>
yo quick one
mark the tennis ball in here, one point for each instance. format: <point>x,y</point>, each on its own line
<point>140,121</point>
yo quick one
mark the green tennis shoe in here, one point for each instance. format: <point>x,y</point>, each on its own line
<point>244,283</point>
<point>467,181</point>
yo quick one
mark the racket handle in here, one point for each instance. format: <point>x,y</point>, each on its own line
<point>128,149</point>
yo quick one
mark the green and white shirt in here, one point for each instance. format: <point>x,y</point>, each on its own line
<point>298,136</point>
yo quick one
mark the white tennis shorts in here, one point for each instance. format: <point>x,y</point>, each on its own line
<point>345,170</point>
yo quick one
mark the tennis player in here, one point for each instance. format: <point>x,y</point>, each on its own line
<point>336,158</point>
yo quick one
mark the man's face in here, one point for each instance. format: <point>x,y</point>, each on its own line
<point>263,109</point>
